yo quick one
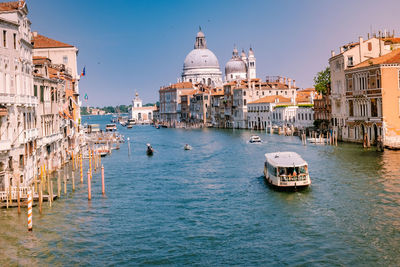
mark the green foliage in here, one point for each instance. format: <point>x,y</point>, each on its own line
<point>282,106</point>
<point>84,111</point>
<point>322,81</point>
<point>305,105</point>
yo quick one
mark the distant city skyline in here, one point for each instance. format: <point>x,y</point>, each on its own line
<point>141,45</point>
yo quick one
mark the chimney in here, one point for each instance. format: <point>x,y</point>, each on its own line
<point>294,83</point>
<point>341,49</point>
<point>284,80</point>
<point>289,82</point>
<point>34,34</point>
<point>360,48</point>
<point>332,53</point>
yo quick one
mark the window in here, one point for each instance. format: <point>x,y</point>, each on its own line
<point>35,90</point>
<point>351,108</point>
<point>52,94</point>
<point>15,40</point>
<point>399,78</point>
<point>65,59</point>
<point>374,108</point>
<point>399,105</point>
<point>369,46</point>
<point>42,94</point>
<point>4,38</point>
<point>244,102</point>
<point>378,79</point>
<point>350,61</point>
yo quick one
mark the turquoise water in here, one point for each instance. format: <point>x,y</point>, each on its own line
<point>211,206</point>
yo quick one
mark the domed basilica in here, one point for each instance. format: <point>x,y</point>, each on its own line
<point>201,65</point>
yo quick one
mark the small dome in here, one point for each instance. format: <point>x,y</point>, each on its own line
<point>235,65</point>
<point>200,58</point>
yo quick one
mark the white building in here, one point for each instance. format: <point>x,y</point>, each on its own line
<point>141,114</point>
<point>349,56</point>
<point>279,111</point>
<point>201,65</point>
<point>18,132</point>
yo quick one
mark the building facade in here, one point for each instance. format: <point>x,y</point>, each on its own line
<point>140,114</point>
<point>373,101</point>
<point>18,130</point>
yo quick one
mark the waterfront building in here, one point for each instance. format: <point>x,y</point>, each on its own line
<point>199,104</point>
<point>185,105</point>
<point>170,101</point>
<point>349,56</point>
<point>216,109</point>
<point>278,111</point>
<point>201,65</point>
<point>141,114</point>
<point>63,57</point>
<point>50,91</point>
<point>373,100</point>
<point>18,132</point>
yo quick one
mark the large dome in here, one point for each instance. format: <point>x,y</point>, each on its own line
<point>199,59</point>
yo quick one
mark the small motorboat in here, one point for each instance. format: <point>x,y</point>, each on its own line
<point>255,139</point>
<point>111,127</point>
<point>187,147</point>
<point>149,150</point>
<point>129,126</point>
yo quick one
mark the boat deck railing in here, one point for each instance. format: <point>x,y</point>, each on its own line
<point>293,178</point>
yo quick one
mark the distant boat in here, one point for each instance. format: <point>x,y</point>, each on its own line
<point>187,147</point>
<point>255,139</point>
<point>129,126</point>
<point>111,127</point>
<point>149,150</point>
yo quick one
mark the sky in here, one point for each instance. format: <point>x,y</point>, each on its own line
<point>138,46</point>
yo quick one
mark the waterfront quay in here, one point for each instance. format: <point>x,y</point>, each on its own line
<point>211,206</point>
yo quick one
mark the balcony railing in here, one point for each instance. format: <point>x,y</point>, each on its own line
<point>5,145</point>
<point>12,99</point>
<point>50,139</point>
<point>28,135</point>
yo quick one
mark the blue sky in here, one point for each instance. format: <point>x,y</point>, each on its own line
<point>130,46</point>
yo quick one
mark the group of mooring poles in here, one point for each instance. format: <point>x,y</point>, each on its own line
<point>77,162</point>
<point>331,138</point>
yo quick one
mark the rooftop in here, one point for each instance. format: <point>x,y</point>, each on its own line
<point>391,58</point>
<point>10,6</point>
<point>40,41</point>
<point>272,99</point>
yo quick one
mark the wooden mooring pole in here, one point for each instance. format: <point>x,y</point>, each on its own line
<point>103,190</point>
<point>89,186</point>
<point>30,222</point>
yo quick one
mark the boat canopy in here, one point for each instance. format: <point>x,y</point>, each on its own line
<point>285,159</point>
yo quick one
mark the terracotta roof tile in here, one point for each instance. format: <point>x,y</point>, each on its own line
<point>40,41</point>
<point>271,99</point>
<point>391,58</point>
<point>10,6</point>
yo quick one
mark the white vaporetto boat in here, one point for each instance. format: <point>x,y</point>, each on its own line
<point>286,170</point>
<point>255,139</point>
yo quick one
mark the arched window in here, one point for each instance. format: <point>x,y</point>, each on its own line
<point>209,81</point>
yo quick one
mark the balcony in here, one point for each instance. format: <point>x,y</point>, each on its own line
<point>28,135</point>
<point>5,145</point>
<point>12,99</point>
<point>50,139</point>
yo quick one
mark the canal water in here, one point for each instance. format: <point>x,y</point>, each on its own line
<point>210,207</point>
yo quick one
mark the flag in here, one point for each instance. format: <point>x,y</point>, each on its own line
<point>86,97</point>
<point>83,71</point>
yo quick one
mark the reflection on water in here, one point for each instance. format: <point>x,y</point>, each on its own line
<point>211,206</point>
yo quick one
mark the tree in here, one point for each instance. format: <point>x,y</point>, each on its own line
<point>322,81</point>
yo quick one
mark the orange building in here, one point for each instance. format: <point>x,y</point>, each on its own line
<point>373,100</point>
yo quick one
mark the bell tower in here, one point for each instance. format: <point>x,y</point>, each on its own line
<point>251,61</point>
<point>137,102</point>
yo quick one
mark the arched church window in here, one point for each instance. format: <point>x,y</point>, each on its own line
<point>190,80</point>
<point>209,81</point>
